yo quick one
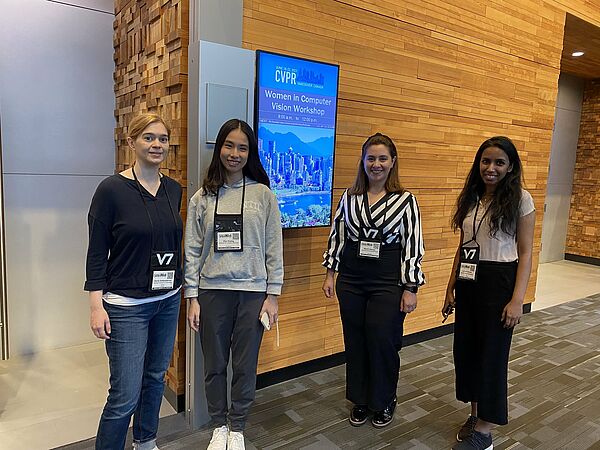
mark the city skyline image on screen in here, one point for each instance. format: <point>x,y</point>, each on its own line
<point>295,122</point>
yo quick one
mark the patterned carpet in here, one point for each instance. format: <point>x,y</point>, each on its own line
<point>554,396</point>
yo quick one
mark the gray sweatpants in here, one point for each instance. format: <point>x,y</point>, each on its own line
<point>229,321</point>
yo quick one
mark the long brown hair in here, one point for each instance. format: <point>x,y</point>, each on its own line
<point>215,177</point>
<point>392,184</point>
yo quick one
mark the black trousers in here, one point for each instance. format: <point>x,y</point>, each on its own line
<point>481,343</point>
<point>229,321</point>
<point>369,298</point>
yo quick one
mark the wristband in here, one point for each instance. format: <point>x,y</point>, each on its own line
<point>411,288</point>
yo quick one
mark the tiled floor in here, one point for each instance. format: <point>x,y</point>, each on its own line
<point>563,281</point>
<point>54,398</point>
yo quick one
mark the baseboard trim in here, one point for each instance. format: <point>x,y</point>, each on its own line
<point>582,259</point>
<point>297,370</point>
<point>288,373</point>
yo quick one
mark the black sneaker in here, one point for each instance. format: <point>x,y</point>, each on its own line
<point>476,441</point>
<point>383,418</point>
<point>467,429</point>
<point>358,415</point>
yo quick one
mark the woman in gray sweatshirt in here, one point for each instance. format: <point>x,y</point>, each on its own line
<point>233,274</point>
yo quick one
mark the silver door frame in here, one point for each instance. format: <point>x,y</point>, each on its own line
<point>3,299</point>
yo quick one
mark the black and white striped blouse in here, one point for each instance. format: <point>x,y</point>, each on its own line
<point>402,226</point>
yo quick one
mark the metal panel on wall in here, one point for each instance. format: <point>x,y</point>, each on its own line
<point>561,168</point>
<point>233,67</point>
<point>46,225</point>
<point>56,98</point>
<point>57,105</point>
<point>3,297</point>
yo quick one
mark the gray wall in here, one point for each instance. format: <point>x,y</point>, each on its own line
<point>562,165</point>
<point>56,112</point>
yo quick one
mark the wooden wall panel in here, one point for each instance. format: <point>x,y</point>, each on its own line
<point>437,76</point>
<point>151,44</point>
<point>583,235</point>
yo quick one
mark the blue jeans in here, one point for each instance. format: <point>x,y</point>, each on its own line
<point>139,350</point>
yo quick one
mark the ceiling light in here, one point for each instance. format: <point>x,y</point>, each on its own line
<point>577,54</point>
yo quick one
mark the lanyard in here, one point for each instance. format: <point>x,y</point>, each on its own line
<point>243,196</point>
<point>139,186</point>
<point>475,231</point>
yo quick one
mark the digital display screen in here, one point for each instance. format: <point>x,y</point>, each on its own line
<point>295,122</point>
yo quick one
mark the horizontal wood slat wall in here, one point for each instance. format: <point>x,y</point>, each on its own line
<point>583,235</point>
<point>151,47</point>
<point>438,76</point>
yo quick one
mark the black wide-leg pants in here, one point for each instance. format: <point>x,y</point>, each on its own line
<point>481,343</point>
<point>369,298</point>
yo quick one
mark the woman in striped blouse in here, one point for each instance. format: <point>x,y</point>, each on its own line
<point>376,245</point>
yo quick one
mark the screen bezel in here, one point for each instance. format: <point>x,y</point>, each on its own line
<point>256,119</point>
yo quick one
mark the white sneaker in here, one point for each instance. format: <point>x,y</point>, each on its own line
<point>219,439</point>
<point>145,446</point>
<point>235,441</point>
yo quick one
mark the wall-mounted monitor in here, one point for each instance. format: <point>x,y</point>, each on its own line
<point>295,122</point>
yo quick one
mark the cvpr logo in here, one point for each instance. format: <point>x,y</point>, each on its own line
<point>285,76</point>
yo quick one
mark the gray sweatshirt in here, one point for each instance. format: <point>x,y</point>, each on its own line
<point>259,267</point>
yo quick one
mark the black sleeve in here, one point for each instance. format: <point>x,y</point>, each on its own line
<point>100,238</point>
<point>412,246</point>
<point>337,235</point>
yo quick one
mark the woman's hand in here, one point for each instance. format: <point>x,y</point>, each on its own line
<point>99,320</point>
<point>511,315</point>
<point>193,313</point>
<point>329,284</point>
<point>449,303</point>
<point>408,303</point>
<point>271,307</point>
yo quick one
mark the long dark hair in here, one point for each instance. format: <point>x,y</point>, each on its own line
<point>215,177</point>
<point>504,208</point>
<point>361,183</point>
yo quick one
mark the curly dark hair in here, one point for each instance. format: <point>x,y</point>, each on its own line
<point>215,176</point>
<point>504,208</point>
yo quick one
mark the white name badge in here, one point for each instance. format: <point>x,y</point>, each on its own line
<point>369,249</point>
<point>229,240</point>
<point>468,262</point>
<point>163,279</point>
<point>467,271</point>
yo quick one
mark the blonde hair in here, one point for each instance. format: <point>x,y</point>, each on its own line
<point>139,123</point>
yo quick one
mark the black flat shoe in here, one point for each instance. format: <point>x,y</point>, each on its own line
<point>358,415</point>
<point>383,418</point>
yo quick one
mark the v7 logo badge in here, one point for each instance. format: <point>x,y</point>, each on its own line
<point>165,256</point>
<point>469,253</point>
<point>371,233</point>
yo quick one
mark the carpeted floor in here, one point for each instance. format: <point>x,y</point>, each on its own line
<point>554,396</point>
